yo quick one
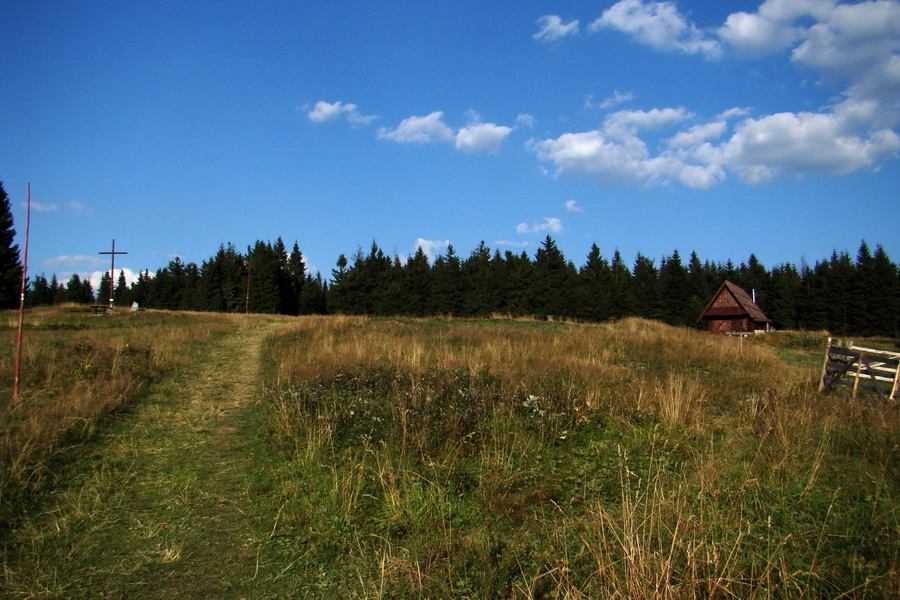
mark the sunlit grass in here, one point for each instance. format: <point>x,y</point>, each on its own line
<point>78,368</point>
<point>531,459</point>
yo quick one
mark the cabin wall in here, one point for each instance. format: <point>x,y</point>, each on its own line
<point>729,325</point>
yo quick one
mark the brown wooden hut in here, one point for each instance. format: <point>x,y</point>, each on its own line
<point>733,310</point>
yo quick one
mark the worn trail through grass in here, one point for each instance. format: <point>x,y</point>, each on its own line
<point>163,504</point>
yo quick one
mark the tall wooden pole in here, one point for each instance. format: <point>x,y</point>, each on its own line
<point>15,398</point>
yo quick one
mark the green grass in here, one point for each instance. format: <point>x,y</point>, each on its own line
<point>682,478</point>
<point>442,458</point>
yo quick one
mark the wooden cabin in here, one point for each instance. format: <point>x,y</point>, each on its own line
<point>732,310</point>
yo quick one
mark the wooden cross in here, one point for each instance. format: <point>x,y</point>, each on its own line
<point>112,271</point>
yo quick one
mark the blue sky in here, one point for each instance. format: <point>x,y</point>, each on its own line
<point>725,128</point>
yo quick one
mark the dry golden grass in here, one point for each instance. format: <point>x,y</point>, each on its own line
<point>620,460</point>
<point>77,368</point>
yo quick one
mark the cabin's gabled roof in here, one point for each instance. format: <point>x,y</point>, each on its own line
<point>742,305</point>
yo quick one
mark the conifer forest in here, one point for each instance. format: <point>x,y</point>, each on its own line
<point>843,294</point>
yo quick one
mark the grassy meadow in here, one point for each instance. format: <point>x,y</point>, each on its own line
<point>77,371</point>
<point>457,458</point>
<point>550,460</point>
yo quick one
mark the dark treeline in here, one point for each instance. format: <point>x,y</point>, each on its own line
<point>859,296</point>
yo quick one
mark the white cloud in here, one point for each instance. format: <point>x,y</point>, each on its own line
<point>616,99</point>
<point>481,137</point>
<point>130,277</point>
<point>799,143</point>
<point>626,122</point>
<point>854,44</point>
<point>419,130</point>
<point>659,25</point>
<point>431,247</point>
<point>617,155</point>
<point>551,224</point>
<point>758,150</point>
<point>553,29</point>
<point>76,205</point>
<point>77,260</point>
<point>43,207</point>
<point>327,111</point>
<point>572,206</point>
<point>732,113</point>
<point>513,244</point>
<point>698,134</point>
<point>525,120</point>
<point>753,34</point>
<point>474,137</point>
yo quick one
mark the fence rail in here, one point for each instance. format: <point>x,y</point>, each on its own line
<point>861,368</point>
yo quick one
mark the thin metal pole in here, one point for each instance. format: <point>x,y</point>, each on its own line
<point>15,398</point>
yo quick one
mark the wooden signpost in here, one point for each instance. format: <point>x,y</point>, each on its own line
<point>862,369</point>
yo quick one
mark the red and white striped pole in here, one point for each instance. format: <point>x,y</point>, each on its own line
<point>15,398</point>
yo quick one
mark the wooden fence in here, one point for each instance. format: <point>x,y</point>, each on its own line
<point>861,368</point>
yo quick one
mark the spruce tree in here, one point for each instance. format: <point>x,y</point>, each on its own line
<point>643,298</point>
<point>296,276</point>
<point>337,291</point>
<point>446,291</point>
<point>620,287</point>
<point>265,288</point>
<point>554,281</point>
<point>595,287</point>
<point>519,274</point>
<point>39,293</point>
<point>476,276</point>
<point>416,284</point>
<point>783,296</point>
<point>885,295</point>
<point>700,289</point>
<point>10,262</point>
<point>122,293</point>
<point>674,291</point>
<point>103,290</point>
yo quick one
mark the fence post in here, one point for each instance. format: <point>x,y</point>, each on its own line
<point>825,366</point>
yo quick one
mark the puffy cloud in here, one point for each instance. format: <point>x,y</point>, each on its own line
<point>615,154</point>
<point>657,24</point>
<point>854,43</point>
<point>799,143</point>
<point>755,34</point>
<point>552,28</point>
<point>130,277</point>
<point>572,206</point>
<point>551,224</point>
<point>327,111</point>
<point>758,150</point>
<point>626,122</point>
<point>431,247</point>
<point>481,137</point>
<point>732,113</point>
<point>420,130</point>
<point>698,134</point>
<point>474,137</point>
